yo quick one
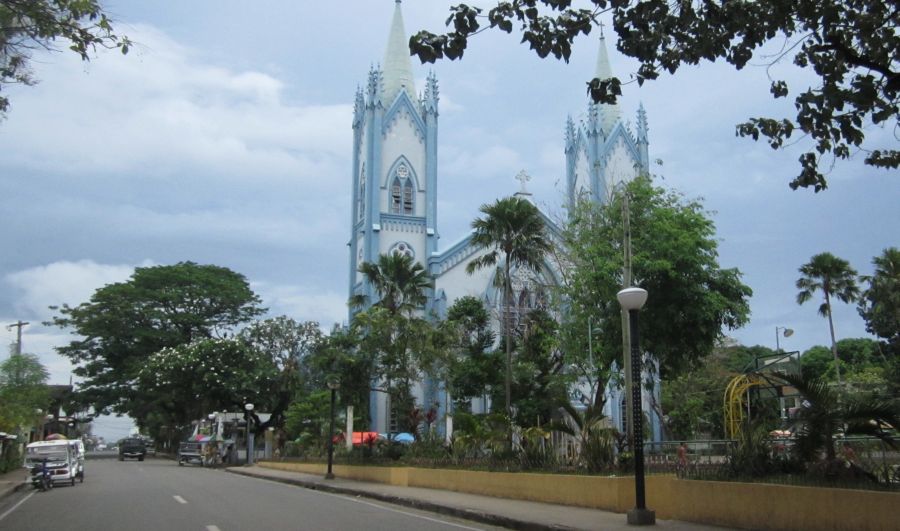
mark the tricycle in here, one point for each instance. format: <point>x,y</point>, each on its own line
<point>51,462</point>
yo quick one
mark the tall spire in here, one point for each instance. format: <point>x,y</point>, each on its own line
<point>397,64</point>
<point>610,113</point>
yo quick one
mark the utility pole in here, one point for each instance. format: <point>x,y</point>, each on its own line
<point>19,324</point>
<point>626,323</point>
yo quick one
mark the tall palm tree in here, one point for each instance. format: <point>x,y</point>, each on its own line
<point>512,229</point>
<point>399,282</point>
<point>401,285</point>
<point>834,277</point>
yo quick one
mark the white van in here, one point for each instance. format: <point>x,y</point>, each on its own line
<point>60,456</point>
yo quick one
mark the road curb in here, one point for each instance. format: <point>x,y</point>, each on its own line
<point>468,514</point>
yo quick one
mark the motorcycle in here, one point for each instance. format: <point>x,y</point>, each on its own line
<point>40,476</point>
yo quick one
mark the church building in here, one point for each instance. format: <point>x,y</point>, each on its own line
<point>395,188</point>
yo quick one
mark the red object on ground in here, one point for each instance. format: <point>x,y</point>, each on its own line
<point>364,437</point>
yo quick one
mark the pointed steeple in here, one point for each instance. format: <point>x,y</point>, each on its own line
<point>570,133</point>
<point>642,127</point>
<point>643,139</point>
<point>610,113</point>
<point>432,94</point>
<point>359,107</point>
<point>397,64</point>
<point>374,88</point>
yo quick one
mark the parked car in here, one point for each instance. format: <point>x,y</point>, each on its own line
<point>190,452</point>
<point>132,448</point>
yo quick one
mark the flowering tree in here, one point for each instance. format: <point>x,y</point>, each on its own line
<point>160,307</point>
<point>189,381</point>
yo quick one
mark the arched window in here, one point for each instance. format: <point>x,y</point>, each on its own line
<point>528,294</point>
<point>402,196</point>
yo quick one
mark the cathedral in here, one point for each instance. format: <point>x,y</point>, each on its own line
<point>394,199</point>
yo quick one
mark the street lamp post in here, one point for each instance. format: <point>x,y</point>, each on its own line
<point>787,333</point>
<point>632,300</point>
<point>249,409</point>
<point>334,385</point>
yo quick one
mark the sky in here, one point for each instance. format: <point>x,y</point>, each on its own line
<point>224,137</point>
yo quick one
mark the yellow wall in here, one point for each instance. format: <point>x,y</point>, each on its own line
<point>744,505</point>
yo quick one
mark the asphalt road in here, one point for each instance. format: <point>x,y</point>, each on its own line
<point>158,495</point>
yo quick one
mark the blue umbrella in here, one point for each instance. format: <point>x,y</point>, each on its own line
<point>405,438</point>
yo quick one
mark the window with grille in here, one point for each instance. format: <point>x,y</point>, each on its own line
<point>402,196</point>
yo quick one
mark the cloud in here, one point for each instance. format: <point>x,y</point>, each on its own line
<point>37,288</point>
<point>62,283</point>
<point>159,112</point>
<point>304,303</point>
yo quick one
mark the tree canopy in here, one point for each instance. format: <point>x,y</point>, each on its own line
<point>159,307</point>
<point>692,400</point>
<point>29,25</point>
<point>23,391</point>
<point>879,304</point>
<point>851,46</point>
<point>189,381</point>
<point>864,364</point>
<point>474,367</point>
<point>675,258</point>
<point>399,282</point>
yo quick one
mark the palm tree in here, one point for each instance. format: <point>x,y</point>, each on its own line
<point>825,415</point>
<point>595,439</point>
<point>401,286</point>
<point>399,282</point>
<point>834,277</point>
<point>512,229</point>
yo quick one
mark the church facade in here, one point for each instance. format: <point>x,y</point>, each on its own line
<point>394,199</point>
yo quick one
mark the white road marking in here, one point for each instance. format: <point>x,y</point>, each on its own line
<point>16,506</point>
<point>212,528</point>
<point>179,499</point>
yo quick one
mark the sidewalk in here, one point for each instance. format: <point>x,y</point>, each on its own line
<point>513,514</point>
<point>12,481</point>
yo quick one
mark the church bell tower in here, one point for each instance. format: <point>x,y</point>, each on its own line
<point>394,175</point>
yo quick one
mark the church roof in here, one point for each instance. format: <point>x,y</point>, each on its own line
<point>609,112</point>
<point>397,64</point>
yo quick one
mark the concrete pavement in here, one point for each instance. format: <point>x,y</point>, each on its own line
<point>512,514</point>
<point>13,481</point>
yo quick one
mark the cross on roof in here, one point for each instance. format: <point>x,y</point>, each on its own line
<point>523,177</point>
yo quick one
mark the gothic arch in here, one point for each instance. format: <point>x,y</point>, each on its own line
<point>401,104</point>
